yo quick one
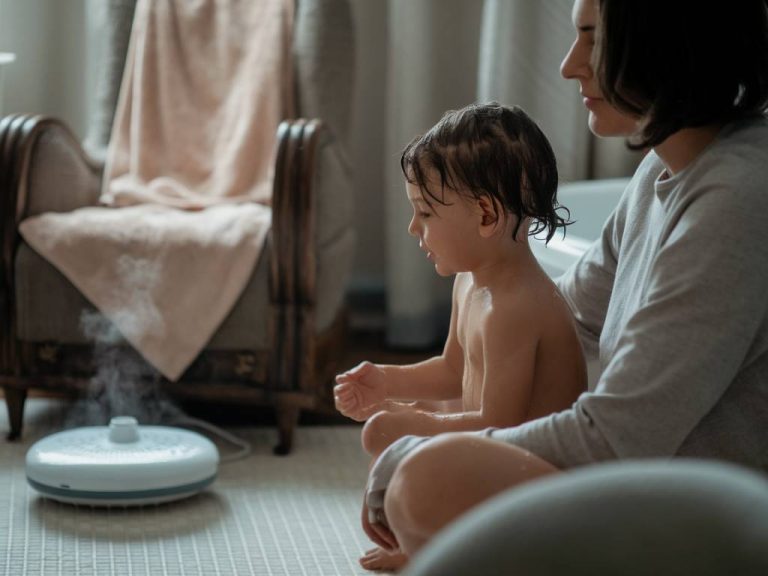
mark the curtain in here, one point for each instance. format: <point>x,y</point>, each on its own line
<point>54,54</point>
<point>433,55</point>
<point>522,45</point>
<point>444,54</point>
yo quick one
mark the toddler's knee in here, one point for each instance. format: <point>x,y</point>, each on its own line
<point>375,433</point>
<point>418,489</point>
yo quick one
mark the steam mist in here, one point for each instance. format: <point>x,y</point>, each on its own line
<point>124,384</point>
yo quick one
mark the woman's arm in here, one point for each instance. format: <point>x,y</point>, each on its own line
<point>687,373</point>
<point>688,364</point>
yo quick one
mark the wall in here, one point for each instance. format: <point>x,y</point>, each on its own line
<point>50,75</point>
<point>368,141</point>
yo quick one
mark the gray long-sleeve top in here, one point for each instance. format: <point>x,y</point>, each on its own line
<point>674,299</point>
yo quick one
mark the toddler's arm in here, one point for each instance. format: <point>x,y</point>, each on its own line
<point>369,388</point>
<point>509,345</point>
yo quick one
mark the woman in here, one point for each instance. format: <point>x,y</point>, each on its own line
<point>674,296</point>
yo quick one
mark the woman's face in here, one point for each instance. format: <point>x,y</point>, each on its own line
<point>604,119</point>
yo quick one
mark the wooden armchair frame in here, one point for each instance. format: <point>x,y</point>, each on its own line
<point>294,373</point>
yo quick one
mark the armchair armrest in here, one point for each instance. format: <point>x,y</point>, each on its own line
<point>291,236</point>
<point>302,229</point>
<point>42,168</point>
<point>291,246</point>
<point>45,169</point>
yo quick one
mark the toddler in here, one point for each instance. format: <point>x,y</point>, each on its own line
<point>480,182</point>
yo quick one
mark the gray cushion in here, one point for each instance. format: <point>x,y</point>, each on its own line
<point>325,62</point>
<point>633,519</point>
<point>60,179</point>
<point>49,307</point>
<point>334,195</point>
<point>334,262</point>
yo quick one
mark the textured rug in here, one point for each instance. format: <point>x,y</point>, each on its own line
<point>264,515</point>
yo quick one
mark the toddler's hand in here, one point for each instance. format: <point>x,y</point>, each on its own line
<point>360,392</point>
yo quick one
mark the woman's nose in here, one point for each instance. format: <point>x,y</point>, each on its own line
<point>576,64</point>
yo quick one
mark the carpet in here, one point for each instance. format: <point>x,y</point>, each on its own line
<point>264,515</point>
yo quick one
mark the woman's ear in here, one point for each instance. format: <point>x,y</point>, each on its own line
<point>490,215</point>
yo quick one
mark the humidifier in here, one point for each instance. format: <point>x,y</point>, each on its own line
<point>123,464</point>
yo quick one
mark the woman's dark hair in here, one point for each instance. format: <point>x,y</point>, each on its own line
<point>682,63</point>
<point>489,150</point>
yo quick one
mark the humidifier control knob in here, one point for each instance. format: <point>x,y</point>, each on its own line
<point>123,429</point>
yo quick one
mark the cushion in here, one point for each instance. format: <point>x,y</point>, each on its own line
<point>639,518</point>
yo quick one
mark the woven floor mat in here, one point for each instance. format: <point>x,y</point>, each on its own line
<point>264,515</point>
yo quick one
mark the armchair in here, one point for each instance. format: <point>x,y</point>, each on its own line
<point>281,343</point>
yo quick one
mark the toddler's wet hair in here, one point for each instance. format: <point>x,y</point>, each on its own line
<point>490,150</point>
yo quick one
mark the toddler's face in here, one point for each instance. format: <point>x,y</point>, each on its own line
<point>446,233</point>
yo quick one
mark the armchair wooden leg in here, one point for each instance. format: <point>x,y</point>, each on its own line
<point>14,400</point>
<point>287,420</point>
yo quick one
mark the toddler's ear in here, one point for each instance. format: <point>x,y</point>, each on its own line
<point>489,218</point>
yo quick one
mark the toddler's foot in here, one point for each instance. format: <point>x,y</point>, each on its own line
<point>380,560</point>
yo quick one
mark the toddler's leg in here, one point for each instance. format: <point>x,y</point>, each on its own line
<point>378,558</point>
<point>448,476</point>
<point>384,427</point>
<point>398,420</point>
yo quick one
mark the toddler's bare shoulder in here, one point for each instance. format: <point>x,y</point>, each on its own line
<point>512,316</point>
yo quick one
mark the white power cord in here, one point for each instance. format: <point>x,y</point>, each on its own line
<point>245,446</point>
